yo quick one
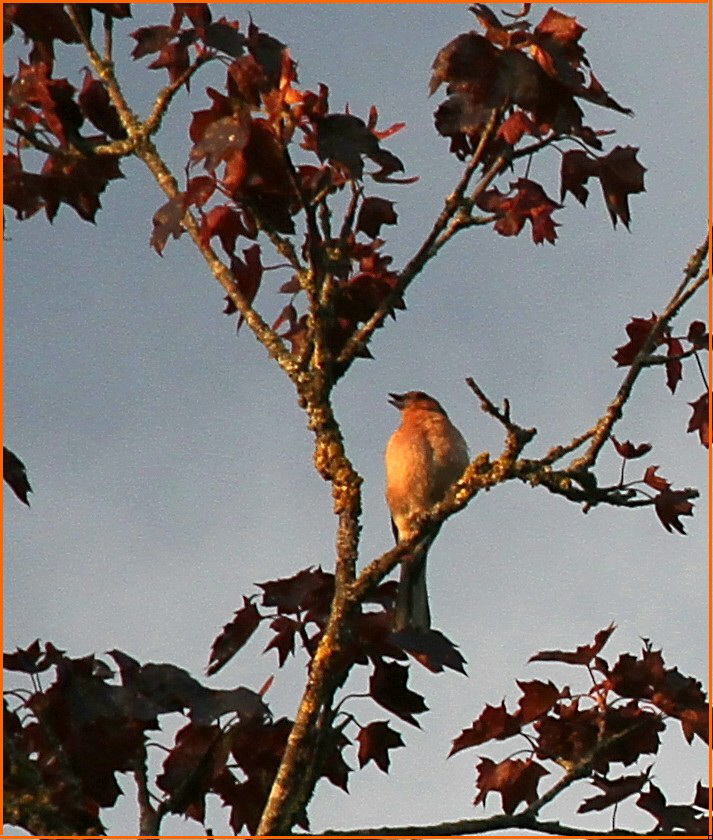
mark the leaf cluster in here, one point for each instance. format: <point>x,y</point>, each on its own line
<point>617,721</point>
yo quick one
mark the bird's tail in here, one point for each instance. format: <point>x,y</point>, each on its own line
<point>412,610</point>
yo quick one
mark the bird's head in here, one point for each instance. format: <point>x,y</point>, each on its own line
<point>415,400</point>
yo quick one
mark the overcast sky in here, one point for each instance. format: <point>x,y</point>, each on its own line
<point>171,465</point>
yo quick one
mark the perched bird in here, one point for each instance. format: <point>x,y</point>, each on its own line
<point>423,457</point>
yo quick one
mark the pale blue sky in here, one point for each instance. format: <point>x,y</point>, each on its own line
<point>172,469</point>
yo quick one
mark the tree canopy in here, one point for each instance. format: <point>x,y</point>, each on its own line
<point>171,484</point>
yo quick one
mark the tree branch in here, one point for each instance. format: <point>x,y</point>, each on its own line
<point>164,98</point>
<point>483,825</point>
<point>430,247</point>
<point>145,150</point>
<point>603,427</point>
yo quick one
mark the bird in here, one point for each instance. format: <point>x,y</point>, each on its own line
<point>423,458</point>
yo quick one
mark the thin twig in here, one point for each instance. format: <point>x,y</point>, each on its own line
<point>603,427</point>
<point>37,143</point>
<point>429,248</point>
<point>165,96</point>
<point>108,37</point>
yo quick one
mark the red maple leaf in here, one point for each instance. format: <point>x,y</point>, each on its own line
<point>621,175</point>
<point>167,221</point>
<point>629,450</point>
<point>226,223</point>
<point>537,698</point>
<point>233,636</point>
<point>515,126</point>
<point>387,685</point>
<point>583,655</point>
<point>495,722</point>
<point>98,109</point>
<point>699,419</point>
<point>515,780</point>
<point>670,505</point>
<point>283,641</point>
<point>656,481</point>
<point>674,366</point>
<point>615,790</point>
<point>375,741</point>
<point>576,169</point>
<point>528,202</point>
<point>373,213</point>
<point>697,334</point>
<point>638,330</point>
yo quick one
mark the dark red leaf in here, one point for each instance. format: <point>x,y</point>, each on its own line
<point>560,27</point>
<point>670,505</point>
<point>258,176</point>
<point>345,139</point>
<point>284,639</point>
<point>583,655</point>
<point>516,781</point>
<point>387,686</point>
<point>221,107</point>
<point>576,169</point>
<point>432,649</point>
<point>23,191</point>
<point>634,677</point>
<point>151,39</point>
<point>233,636</point>
<point>41,23</point>
<point>494,723</point>
<point>629,450</point>
<point>698,334</point>
<point>199,190</point>
<point>537,698</point>
<point>683,698</point>
<point>670,818</point>
<point>97,107</point>
<point>247,274</point>
<point>515,126</point>
<point>468,60</point>
<point>288,314</point>
<point>269,54</point>
<point>621,175</point>
<point>302,591</point>
<point>699,419</point>
<point>225,223</point>
<point>78,183</point>
<point>167,221</point>
<point>638,330</point>
<point>334,767</point>
<point>615,790</point>
<point>702,797</point>
<point>373,213</point>
<point>59,109</point>
<point>383,133</point>
<point>174,57</point>
<point>198,14</point>
<point>15,475</point>
<point>221,139</point>
<point>198,756</point>
<point>375,741</point>
<point>29,660</point>
<point>674,366</point>
<point>214,703</point>
<point>529,202</point>
<point>224,36</point>
<point>656,481</point>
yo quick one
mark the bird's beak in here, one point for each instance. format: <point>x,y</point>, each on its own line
<point>397,400</point>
